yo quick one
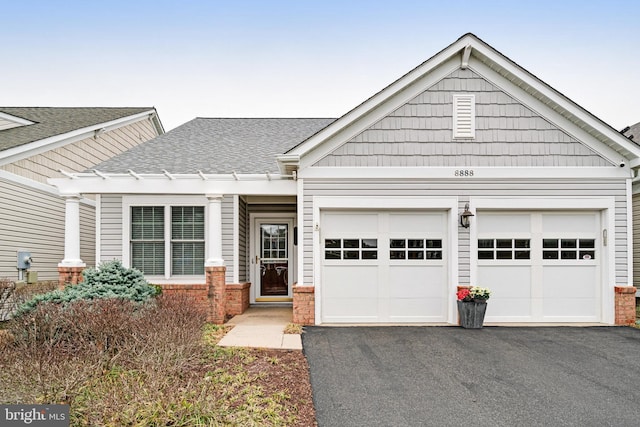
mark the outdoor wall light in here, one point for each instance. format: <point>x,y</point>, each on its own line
<point>465,217</point>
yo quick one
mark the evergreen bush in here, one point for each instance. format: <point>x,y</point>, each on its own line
<point>109,280</point>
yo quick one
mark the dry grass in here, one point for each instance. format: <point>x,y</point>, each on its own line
<point>293,328</point>
<point>117,363</point>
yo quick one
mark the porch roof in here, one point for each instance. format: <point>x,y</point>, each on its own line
<point>217,146</point>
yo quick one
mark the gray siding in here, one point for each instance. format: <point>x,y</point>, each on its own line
<point>243,244</point>
<point>227,236</point>
<point>636,240</point>
<point>33,220</point>
<point>110,227</point>
<point>484,188</point>
<point>420,133</point>
<point>83,154</point>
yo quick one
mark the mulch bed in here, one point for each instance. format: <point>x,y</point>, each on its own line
<point>283,371</point>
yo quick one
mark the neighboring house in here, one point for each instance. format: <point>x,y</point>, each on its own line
<point>358,220</point>
<point>633,133</point>
<point>37,142</point>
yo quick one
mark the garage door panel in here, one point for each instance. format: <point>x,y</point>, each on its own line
<point>350,224</point>
<point>416,281</point>
<point>562,279</point>
<point>360,309</point>
<point>417,310</point>
<point>577,309</point>
<point>500,309</point>
<point>504,223</point>
<point>409,224</point>
<point>570,282</point>
<point>406,280</point>
<point>350,281</point>
<point>569,223</point>
<point>506,281</point>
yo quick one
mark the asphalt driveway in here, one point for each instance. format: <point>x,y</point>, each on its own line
<point>495,376</point>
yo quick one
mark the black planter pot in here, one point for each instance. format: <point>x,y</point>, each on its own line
<point>471,314</point>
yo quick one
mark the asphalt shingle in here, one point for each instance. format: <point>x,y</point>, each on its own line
<point>635,132</point>
<point>52,121</point>
<point>217,146</point>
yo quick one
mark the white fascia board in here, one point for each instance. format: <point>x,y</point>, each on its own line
<point>397,93</point>
<point>547,111</point>
<point>20,180</point>
<point>126,184</point>
<point>17,120</point>
<point>41,146</point>
<point>479,173</point>
<point>533,84</point>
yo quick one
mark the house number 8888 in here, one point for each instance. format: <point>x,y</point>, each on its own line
<point>463,172</point>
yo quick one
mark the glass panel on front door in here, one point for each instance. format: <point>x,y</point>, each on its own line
<point>274,259</point>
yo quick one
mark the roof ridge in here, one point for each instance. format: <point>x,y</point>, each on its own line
<point>265,118</point>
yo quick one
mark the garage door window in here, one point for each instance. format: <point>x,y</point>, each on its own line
<point>504,249</point>
<point>569,249</point>
<point>351,249</point>
<point>413,249</point>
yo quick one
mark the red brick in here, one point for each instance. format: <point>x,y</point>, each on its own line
<point>625,305</point>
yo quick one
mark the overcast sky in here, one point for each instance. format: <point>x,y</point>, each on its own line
<point>300,58</point>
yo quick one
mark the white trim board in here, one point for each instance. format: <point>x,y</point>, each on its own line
<point>479,172</point>
<point>180,184</point>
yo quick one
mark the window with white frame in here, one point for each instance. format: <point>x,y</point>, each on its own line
<point>183,241</point>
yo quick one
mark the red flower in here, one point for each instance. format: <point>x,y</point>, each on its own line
<point>463,294</point>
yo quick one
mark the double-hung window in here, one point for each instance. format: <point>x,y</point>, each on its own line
<point>168,239</point>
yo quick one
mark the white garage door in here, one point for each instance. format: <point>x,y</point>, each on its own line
<point>540,267</point>
<point>383,267</point>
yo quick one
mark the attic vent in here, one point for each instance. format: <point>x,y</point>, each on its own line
<point>464,117</point>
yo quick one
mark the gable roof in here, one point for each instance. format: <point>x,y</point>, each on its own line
<point>468,52</point>
<point>54,121</point>
<point>217,146</point>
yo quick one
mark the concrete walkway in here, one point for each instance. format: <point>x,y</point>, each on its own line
<point>262,327</point>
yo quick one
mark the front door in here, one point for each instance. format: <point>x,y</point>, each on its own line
<point>272,259</point>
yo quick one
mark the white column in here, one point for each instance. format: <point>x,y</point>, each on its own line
<point>72,232</point>
<point>214,238</point>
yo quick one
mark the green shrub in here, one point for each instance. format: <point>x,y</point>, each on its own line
<point>109,280</point>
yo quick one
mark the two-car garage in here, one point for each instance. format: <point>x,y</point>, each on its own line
<point>398,266</point>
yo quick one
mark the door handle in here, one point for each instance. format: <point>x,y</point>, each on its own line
<point>257,259</point>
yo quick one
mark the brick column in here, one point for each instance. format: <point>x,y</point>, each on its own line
<point>304,307</point>
<point>237,298</point>
<point>216,294</point>
<point>625,301</point>
<point>69,276</point>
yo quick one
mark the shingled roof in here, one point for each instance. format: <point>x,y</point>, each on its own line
<point>52,121</point>
<point>635,132</point>
<point>217,146</point>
